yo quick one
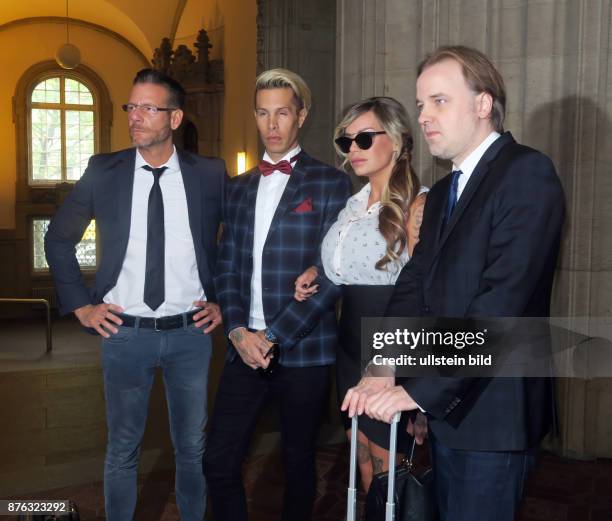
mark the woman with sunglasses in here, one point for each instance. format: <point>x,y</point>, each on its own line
<point>366,248</point>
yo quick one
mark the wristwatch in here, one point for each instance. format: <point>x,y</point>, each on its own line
<point>270,337</point>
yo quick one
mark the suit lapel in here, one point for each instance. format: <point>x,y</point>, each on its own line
<point>295,180</point>
<point>192,184</point>
<point>440,207</point>
<point>124,185</point>
<point>470,189</point>
<point>250,202</point>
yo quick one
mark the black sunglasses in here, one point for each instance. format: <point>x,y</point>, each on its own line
<point>363,140</point>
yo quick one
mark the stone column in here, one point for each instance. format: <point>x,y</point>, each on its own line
<point>299,36</point>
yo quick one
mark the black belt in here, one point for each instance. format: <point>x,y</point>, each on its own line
<point>159,323</point>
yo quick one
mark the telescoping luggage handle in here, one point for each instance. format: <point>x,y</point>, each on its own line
<point>351,500</point>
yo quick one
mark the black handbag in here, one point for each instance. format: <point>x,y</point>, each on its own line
<point>414,493</point>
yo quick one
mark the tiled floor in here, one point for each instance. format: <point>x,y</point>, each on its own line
<point>560,490</point>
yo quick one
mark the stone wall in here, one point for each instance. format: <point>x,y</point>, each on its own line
<point>299,36</point>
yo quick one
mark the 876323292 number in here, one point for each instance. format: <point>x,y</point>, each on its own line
<point>33,506</point>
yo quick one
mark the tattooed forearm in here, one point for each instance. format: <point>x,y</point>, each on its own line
<point>363,453</point>
<point>236,335</point>
<point>377,464</point>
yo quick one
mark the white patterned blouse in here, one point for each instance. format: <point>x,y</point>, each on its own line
<point>353,245</point>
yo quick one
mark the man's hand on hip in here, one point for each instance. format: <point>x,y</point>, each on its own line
<point>251,347</point>
<point>210,314</point>
<point>100,317</point>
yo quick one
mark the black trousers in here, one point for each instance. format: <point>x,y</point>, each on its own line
<point>242,393</point>
<point>479,485</point>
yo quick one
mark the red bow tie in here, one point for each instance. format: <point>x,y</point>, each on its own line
<point>283,166</point>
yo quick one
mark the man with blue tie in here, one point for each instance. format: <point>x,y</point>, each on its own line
<point>157,213</point>
<point>275,218</point>
<point>489,245</point>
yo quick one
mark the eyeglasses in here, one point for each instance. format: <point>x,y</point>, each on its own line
<point>363,140</point>
<point>151,110</point>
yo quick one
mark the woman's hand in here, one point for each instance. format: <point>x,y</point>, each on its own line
<point>304,287</point>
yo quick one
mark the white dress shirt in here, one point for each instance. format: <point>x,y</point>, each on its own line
<point>469,163</point>
<point>269,193</point>
<point>182,280</point>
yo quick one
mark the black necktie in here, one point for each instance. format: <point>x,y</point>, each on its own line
<point>154,271</point>
<point>452,196</point>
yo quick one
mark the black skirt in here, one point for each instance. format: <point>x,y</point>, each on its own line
<point>360,302</point>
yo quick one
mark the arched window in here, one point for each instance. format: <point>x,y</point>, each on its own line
<point>62,118</point>
<point>62,129</point>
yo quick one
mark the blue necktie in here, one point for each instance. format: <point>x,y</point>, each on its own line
<point>452,196</point>
<point>154,271</point>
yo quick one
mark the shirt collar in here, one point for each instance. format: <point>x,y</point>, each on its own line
<point>293,152</point>
<point>172,164</point>
<point>358,204</point>
<point>469,163</point>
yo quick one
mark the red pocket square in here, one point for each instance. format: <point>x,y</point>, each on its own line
<point>304,206</point>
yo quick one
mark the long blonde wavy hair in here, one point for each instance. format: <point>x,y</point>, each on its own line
<point>403,185</point>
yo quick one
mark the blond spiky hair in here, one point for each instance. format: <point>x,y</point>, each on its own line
<point>281,78</point>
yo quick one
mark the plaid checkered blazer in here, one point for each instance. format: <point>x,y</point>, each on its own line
<point>310,204</point>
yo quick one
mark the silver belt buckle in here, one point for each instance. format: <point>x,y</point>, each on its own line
<point>155,324</point>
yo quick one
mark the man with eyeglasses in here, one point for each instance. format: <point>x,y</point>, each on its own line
<point>157,211</point>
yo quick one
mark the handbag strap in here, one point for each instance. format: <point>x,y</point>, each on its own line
<point>409,460</point>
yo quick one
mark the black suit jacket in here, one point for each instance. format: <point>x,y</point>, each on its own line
<point>104,193</point>
<point>496,257</point>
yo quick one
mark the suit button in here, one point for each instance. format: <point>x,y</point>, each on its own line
<point>266,289</point>
<point>425,309</point>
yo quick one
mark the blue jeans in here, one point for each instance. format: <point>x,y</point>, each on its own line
<point>129,360</point>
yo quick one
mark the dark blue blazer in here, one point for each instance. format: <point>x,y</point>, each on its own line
<point>104,193</point>
<point>495,258</point>
<point>306,330</point>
